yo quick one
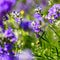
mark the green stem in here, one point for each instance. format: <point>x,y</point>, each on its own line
<point>54,31</point>
<point>41,37</point>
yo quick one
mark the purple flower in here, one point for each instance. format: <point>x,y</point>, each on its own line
<point>25,55</point>
<point>35,26</point>
<point>21,6</point>
<point>38,22</point>
<point>6,57</point>
<point>10,35</point>
<point>8,47</point>
<point>7,6</point>
<point>38,17</point>
<point>44,3</point>
<point>51,21</point>
<point>8,32</point>
<point>6,52</point>
<point>17,20</point>
<point>1,24</point>
<point>26,5</point>
<point>25,25</point>
<point>53,13</point>
<point>12,2</point>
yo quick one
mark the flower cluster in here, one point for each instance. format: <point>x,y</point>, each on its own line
<point>53,13</point>
<point>6,48</point>
<point>36,25</point>
<point>9,34</point>
<point>9,38</point>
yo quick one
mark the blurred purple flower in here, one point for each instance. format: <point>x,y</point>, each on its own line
<point>6,57</point>
<point>7,6</point>
<point>26,5</point>
<point>44,3</point>
<point>25,24</point>
<point>17,20</point>
<point>1,50</point>
<point>8,47</point>
<point>10,34</point>
<point>22,6</point>
<point>51,21</point>
<point>1,24</point>
<point>25,55</point>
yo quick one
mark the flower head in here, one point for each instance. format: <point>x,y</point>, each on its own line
<point>10,35</point>
<point>35,26</point>
<point>25,24</point>
<point>53,13</point>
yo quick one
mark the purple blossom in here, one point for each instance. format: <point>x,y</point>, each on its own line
<point>51,21</point>
<point>53,12</point>
<point>25,24</point>
<point>10,35</point>
<point>38,17</point>
<point>38,21</point>
<point>7,6</point>
<point>21,6</point>
<point>35,26</point>
<point>6,57</point>
<point>6,54</point>
<point>44,3</point>
<point>17,20</point>
<point>8,46</point>
<point>1,24</point>
<point>26,6</point>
